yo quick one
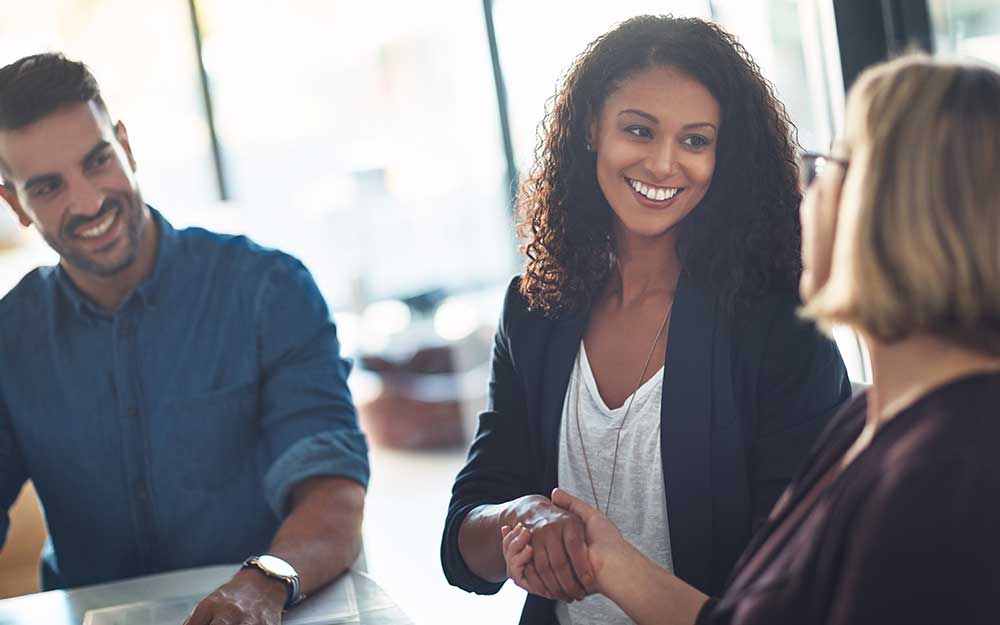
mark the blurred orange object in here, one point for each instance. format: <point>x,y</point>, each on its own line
<point>420,401</point>
<point>19,558</point>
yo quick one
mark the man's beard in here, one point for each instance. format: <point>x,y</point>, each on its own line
<point>129,207</point>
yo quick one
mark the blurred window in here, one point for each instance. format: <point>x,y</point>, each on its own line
<point>967,27</point>
<point>772,31</point>
<point>143,56</point>
<point>363,137</point>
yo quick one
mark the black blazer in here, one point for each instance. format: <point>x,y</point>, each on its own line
<point>744,397</point>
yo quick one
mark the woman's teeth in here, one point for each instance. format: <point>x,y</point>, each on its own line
<point>654,193</point>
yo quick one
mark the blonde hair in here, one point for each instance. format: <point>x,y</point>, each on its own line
<point>917,247</point>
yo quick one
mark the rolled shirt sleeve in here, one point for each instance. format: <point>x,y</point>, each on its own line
<point>308,419</point>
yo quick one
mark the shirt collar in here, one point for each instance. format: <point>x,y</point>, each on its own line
<point>149,288</point>
<point>146,290</point>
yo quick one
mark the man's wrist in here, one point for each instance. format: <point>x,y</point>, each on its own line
<point>281,571</point>
<point>272,588</point>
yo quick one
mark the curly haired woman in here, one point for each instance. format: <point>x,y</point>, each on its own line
<point>650,358</point>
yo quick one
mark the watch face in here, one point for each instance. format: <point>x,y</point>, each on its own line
<point>276,566</point>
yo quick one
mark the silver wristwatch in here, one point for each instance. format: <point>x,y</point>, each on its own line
<point>278,569</point>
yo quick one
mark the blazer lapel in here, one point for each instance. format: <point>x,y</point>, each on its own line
<point>685,432</point>
<point>563,346</point>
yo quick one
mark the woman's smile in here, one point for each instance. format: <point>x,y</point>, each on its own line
<point>654,196</point>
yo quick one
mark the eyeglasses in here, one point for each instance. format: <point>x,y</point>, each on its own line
<point>812,165</point>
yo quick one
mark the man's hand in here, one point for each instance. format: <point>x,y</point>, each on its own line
<point>250,598</point>
<point>560,567</point>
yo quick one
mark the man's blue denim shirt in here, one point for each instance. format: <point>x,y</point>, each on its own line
<point>169,433</point>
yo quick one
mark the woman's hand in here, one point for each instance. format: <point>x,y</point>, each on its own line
<point>605,544</point>
<point>644,590</point>
<point>517,553</point>
<point>559,567</point>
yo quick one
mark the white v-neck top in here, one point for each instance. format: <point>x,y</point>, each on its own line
<point>638,499</point>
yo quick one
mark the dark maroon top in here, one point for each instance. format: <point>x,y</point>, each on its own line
<point>907,534</point>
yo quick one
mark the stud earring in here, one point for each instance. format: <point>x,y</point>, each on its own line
<point>590,148</point>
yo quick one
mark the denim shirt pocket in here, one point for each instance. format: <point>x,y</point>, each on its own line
<point>219,431</point>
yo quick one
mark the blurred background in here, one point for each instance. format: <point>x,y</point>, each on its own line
<point>380,141</point>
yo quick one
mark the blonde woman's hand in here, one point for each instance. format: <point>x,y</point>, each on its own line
<point>605,543</point>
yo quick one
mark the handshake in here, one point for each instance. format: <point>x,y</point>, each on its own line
<point>561,549</point>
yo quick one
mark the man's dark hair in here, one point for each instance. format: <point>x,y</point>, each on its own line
<point>38,85</point>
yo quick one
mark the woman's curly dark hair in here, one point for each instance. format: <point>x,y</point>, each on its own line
<point>743,239</point>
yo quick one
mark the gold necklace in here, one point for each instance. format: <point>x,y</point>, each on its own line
<point>618,434</point>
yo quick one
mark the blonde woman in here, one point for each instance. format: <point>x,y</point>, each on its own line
<point>895,518</point>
